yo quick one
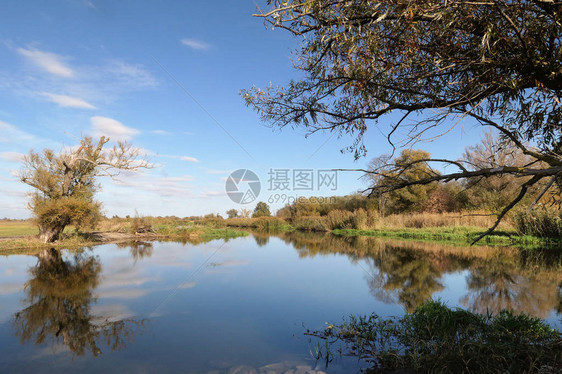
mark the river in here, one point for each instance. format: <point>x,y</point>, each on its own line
<point>242,305</point>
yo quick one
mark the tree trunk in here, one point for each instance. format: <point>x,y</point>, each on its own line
<point>50,233</point>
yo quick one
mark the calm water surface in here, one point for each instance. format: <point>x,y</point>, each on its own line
<point>229,307</point>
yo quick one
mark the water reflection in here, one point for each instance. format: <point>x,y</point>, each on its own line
<point>409,272</point>
<point>231,306</point>
<point>138,249</point>
<point>261,239</point>
<point>404,277</point>
<point>498,283</point>
<point>59,297</point>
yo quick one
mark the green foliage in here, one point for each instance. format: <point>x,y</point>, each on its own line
<point>270,224</point>
<point>322,206</point>
<point>267,224</point>
<point>409,167</point>
<point>64,211</point>
<point>232,213</point>
<point>437,339</point>
<point>261,210</point>
<point>213,220</point>
<point>541,221</point>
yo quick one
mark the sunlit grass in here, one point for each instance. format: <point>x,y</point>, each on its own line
<point>17,228</point>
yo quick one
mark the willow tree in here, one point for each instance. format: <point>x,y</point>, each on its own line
<point>416,66</point>
<point>65,183</point>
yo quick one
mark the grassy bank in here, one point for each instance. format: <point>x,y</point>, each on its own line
<point>455,228</point>
<point>110,231</point>
<point>457,235</point>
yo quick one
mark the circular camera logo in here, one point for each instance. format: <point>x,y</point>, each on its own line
<point>243,186</point>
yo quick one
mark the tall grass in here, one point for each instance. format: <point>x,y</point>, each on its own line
<point>362,219</point>
<point>338,219</point>
<point>313,223</point>
<point>541,222</point>
<point>423,220</point>
<point>262,223</point>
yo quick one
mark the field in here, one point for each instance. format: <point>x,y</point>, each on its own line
<point>16,228</point>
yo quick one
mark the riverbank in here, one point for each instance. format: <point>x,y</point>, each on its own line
<point>454,235</point>
<point>447,228</point>
<point>192,234</point>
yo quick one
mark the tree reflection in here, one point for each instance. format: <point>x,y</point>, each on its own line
<point>404,277</point>
<point>59,296</point>
<point>138,249</point>
<point>410,272</point>
<point>261,239</point>
<point>498,283</point>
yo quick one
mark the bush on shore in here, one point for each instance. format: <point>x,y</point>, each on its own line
<point>314,223</point>
<point>542,222</point>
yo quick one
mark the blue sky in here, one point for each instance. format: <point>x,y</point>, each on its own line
<point>89,67</point>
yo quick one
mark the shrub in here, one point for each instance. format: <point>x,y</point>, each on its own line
<point>338,219</point>
<point>310,224</point>
<point>141,224</point>
<point>269,223</point>
<point>261,210</point>
<point>373,218</point>
<point>359,220</point>
<point>213,220</point>
<point>241,222</point>
<point>541,222</point>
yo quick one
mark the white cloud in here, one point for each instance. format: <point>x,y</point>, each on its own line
<point>11,134</point>
<point>112,312</point>
<point>105,126</point>
<point>67,101</point>
<point>12,156</point>
<point>212,193</point>
<point>160,132</point>
<point>195,44</point>
<point>50,62</point>
<point>133,293</point>
<point>189,159</point>
<point>131,75</point>
<point>187,285</point>
<point>163,186</point>
<point>96,83</point>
